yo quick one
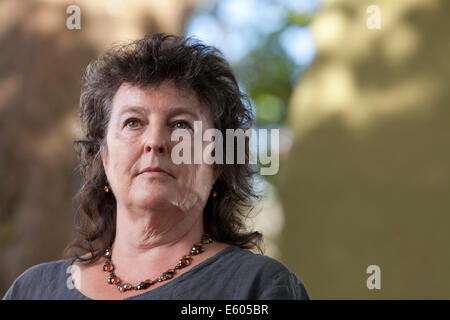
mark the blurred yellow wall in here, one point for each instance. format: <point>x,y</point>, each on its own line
<point>367,180</point>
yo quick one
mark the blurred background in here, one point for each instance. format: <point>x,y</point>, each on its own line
<point>358,90</point>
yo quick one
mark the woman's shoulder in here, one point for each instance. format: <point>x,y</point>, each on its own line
<point>267,277</point>
<point>258,262</point>
<point>36,281</point>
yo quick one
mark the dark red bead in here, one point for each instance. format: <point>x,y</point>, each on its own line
<point>127,286</point>
<point>206,238</point>
<point>108,267</point>
<point>144,285</point>
<point>196,250</point>
<point>115,280</point>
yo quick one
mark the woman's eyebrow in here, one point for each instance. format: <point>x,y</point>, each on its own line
<point>137,109</point>
<point>170,113</point>
<point>180,110</point>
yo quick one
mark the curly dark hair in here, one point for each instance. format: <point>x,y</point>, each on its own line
<point>145,62</point>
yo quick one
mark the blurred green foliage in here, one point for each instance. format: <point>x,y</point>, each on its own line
<point>268,73</point>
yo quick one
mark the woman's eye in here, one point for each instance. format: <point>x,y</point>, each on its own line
<point>132,123</point>
<point>182,125</point>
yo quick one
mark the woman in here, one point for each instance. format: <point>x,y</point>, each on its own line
<point>150,228</point>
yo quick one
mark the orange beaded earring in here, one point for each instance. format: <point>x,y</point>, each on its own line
<point>214,194</point>
<point>106,189</point>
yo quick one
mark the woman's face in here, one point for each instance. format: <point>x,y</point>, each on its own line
<point>139,136</point>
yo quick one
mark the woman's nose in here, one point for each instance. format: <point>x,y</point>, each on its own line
<point>156,148</point>
<point>156,141</point>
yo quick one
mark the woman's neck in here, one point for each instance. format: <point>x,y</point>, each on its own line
<point>150,242</point>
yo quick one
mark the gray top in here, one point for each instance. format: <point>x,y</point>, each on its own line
<point>231,274</point>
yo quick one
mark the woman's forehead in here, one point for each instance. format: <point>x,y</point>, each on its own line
<point>164,98</point>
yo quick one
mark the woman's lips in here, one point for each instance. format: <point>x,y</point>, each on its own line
<point>154,172</point>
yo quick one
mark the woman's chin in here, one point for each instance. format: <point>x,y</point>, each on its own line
<point>154,198</point>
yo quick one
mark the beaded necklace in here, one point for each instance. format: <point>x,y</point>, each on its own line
<point>169,274</point>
